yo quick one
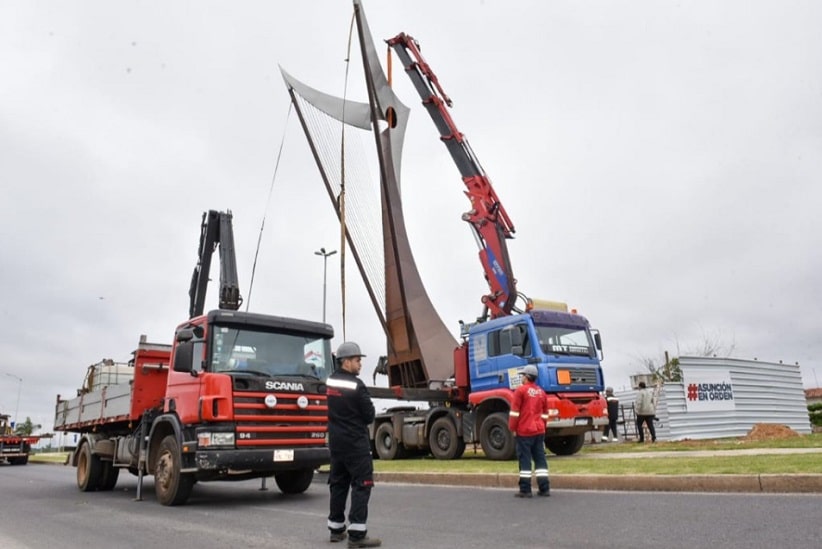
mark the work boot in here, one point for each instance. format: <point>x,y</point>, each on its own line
<point>337,536</point>
<point>364,542</point>
<point>545,489</point>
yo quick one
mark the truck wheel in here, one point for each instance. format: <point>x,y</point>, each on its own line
<point>89,469</point>
<point>294,482</point>
<point>565,445</point>
<point>108,477</point>
<point>444,441</point>
<point>496,439</point>
<point>385,444</point>
<point>170,485</point>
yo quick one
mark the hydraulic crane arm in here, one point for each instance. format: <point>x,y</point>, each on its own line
<point>487,217</point>
<point>217,229</point>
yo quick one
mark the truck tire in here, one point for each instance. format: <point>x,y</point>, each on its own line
<point>565,445</point>
<point>89,469</point>
<point>108,477</point>
<point>496,439</point>
<point>443,440</point>
<point>170,485</point>
<point>385,444</point>
<point>19,460</point>
<point>294,482</point>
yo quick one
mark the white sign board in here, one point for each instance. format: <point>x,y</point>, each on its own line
<point>708,391</point>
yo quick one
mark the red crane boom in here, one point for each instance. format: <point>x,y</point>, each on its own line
<point>487,216</point>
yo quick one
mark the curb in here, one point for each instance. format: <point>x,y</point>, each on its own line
<point>771,483</point>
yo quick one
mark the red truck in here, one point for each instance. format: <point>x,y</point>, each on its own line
<point>468,385</point>
<point>236,396</point>
<point>14,448</point>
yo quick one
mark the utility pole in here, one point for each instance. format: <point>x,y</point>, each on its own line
<point>17,406</point>
<point>322,253</point>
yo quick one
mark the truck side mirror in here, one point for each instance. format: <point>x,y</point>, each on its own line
<point>516,337</point>
<point>598,341</point>
<point>185,334</point>
<point>517,340</point>
<point>183,356</point>
<point>189,332</point>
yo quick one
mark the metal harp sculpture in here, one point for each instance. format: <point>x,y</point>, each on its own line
<point>420,347</point>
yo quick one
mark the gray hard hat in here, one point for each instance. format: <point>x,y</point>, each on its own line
<point>348,349</point>
<point>530,371</point>
<point>609,390</point>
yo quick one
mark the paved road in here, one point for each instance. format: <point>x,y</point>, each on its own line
<point>43,508</point>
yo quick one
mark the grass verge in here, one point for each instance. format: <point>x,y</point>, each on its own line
<point>49,457</point>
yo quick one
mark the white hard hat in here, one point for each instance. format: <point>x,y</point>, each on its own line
<point>530,371</point>
<point>348,349</point>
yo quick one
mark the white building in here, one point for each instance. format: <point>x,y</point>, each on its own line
<point>725,397</point>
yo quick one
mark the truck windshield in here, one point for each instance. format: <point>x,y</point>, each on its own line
<point>564,340</point>
<point>269,353</point>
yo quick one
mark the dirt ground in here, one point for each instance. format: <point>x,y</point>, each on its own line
<point>759,432</point>
<point>770,431</point>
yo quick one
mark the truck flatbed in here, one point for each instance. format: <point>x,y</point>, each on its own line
<point>118,398</point>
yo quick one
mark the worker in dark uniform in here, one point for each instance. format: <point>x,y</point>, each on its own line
<point>350,411</point>
<point>613,415</point>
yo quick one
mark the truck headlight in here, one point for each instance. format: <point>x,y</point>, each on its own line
<point>210,440</point>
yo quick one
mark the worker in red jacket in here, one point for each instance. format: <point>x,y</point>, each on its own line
<point>527,420</point>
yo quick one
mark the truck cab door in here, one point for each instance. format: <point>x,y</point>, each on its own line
<point>184,379</point>
<point>505,350</point>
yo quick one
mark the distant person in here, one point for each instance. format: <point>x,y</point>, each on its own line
<point>645,412</point>
<point>527,419</point>
<point>350,411</point>
<point>613,414</point>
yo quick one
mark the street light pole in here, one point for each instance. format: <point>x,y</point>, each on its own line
<point>322,253</point>
<point>19,386</point>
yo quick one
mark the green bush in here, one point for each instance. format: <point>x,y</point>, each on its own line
<point>815,413</point>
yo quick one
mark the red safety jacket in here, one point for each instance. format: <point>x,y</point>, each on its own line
<point>529,411</point>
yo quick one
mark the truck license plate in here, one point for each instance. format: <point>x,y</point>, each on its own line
<point>581,421</point>
<point>283,455</point>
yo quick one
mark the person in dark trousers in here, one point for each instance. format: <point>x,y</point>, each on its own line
<point>613,415</point>
<point>350,411</point>
<point>527,420</point>
<point>645,412</point>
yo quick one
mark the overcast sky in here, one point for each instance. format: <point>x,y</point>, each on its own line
<point>660,161</point>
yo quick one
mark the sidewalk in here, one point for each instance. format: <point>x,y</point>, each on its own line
<point>770,483</point>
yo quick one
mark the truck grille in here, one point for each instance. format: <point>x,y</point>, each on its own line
<point>583,376</point>
<point>285,425</point>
